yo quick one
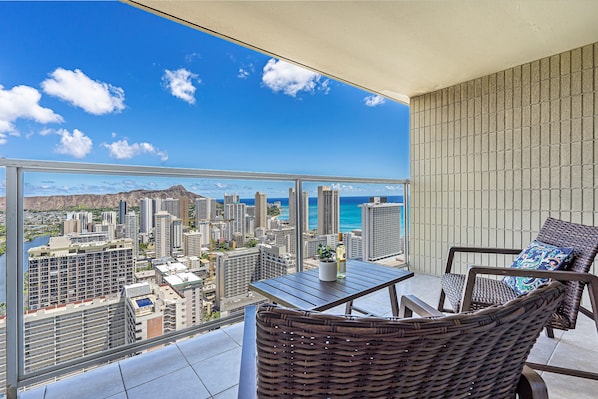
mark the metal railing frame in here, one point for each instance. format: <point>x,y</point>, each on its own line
<point>15,169</point>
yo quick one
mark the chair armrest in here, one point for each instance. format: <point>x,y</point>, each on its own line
<point>476,250</point>
<point>411,303</point>
<point>559,275</point>
<point>531,385</point>
<point>248,373</point>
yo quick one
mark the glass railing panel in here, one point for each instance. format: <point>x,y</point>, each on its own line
<point>117,260</point>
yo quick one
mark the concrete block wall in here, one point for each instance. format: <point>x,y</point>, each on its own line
<point>491,158</point>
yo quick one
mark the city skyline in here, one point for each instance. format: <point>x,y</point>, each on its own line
<point>79,85</point>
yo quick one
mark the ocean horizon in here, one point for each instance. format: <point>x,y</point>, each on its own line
<point>350,212</point>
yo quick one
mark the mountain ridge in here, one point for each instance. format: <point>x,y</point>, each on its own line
<point>101,201</point>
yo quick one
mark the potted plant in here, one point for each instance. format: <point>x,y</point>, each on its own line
<point>327,263</point>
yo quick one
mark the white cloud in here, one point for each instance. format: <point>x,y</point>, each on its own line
<point>75,87</point>
<point>121,149</point>
<point>77,145</point>
<point>374,100</point>
<point>291,79</point>
<point>180,84</point>
<point>243,73</point>
<point>22,102</point>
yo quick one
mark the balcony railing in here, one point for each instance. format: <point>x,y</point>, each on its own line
<point>18,374</point>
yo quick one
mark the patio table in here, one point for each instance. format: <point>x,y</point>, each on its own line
<point>304,290</point>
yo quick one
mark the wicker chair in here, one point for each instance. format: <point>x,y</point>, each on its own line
<point>486,291</point>
<point>481,354</point>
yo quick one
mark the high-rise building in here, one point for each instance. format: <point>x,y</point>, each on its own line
<point>285,236</point>
<point>203,227</point>
<point>229,199</point>
<point>162,234</point>
<point>328,211</point>
<point>354,243</point>
<point>293,209</point>
<point>156,207</point>
<point>188,285</point>
<point>172,206</point>
<point>60,333</point>
<point>203,209</point>
<point>274,261</point>
<point>85,220</point>
<point>109,217</point>
<point>380,224</point>
<point>71,226</point>
<point>184,211</point>
<point>108,229</point>
<point>62,272</point>
<point>146,215</point>
<point>122,211</point>
<point>236,217</point>
<point>132,230</point>
<point>192,243</point>
<point>234,271</point>
<point>176,236</point>
<point>261,209</point>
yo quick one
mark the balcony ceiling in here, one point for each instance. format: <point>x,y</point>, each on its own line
<point>398,49</point>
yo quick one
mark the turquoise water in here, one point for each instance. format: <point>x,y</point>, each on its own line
<point>350,212</point>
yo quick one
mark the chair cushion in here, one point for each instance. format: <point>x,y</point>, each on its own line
<point>537,256</point>
<point>486,291</point>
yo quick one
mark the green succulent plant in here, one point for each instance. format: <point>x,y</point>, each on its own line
<point>325,253</point>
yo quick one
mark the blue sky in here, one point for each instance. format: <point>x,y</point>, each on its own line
<point>104,82</point>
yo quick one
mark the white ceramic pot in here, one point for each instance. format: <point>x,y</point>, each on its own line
<point>327,271</point>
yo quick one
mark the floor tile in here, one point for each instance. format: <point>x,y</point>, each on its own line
<point>181,384</point>
<point>37,393</point>
<point>221,372</point>
<point>544,348</point>
<point>151,365</point>
<point>565,387</point>
<point>231,393</point>
<point>202,347</point>
<point>235,332</point>
<point>99,383</point>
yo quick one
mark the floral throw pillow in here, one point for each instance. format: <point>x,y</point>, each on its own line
<point>537,256</point>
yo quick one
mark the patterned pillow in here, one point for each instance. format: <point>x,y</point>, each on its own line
<point>538,256</point>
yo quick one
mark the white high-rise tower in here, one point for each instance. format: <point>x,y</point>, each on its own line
<point>261,210</point>
<point>146,215</point>
<point>381,230</point>
<point>162,234</point>
<point>328,211</point>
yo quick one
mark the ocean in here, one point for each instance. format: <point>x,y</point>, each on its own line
<point>350,212</point>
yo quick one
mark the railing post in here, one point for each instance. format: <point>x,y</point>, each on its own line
<point>14,280</point>
<point>407,220</point>
<point>299,224</point>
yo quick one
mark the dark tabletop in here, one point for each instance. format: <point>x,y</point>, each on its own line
<point>304,290</point>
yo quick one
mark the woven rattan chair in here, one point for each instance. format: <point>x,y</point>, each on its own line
<point>481,354</point>
<point>488,291</point>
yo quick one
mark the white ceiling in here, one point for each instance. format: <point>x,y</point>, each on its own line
<point>398,49</point>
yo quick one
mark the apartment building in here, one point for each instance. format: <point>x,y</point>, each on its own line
<point>381,237</point>
<point>64,271</point>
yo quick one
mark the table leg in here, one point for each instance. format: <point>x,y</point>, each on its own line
<point>349,307</point>
<point>394,302</point>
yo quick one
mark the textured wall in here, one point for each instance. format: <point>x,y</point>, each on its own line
<point>491,158</point>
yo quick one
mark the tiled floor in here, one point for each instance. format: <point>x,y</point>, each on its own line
<point>207,366</point>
